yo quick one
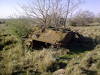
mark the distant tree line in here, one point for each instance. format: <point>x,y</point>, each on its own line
<point>84,18</point>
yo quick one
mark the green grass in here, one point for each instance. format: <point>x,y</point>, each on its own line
<point>15,60</point>
<point>19,26</point>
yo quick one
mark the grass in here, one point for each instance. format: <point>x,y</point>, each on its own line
<point>19,27</point>
<point>85,64</point>
<point>16,60</point>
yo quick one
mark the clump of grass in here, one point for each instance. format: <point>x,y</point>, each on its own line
<point>84,64</point>
<point>16,60</point>
<point>10,56</point>
<point>33,62</point>
<point>68,56</point>
<point>10,52</point>
<point>8,41</point>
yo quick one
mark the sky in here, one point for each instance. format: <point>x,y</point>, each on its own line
<point>91,5</point>
<point>9,7</point>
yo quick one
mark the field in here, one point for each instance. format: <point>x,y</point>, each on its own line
<point>15,59</point>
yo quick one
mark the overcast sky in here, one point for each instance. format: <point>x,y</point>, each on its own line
<point>8,7</point>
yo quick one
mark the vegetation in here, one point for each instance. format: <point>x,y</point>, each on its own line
<point>17,60</point>
<point>19,27</point>
<point>80,57</point>
<point>50,12</point>
<point>84,18</point>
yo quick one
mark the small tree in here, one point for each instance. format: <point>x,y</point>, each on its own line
<point>50,12</point>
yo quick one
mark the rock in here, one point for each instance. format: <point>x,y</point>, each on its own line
<point>59,72</point>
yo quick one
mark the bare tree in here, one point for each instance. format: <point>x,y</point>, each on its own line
<point>67,11</point>
<point>50,12</point>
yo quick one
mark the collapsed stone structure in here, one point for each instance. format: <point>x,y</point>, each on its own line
<point>49,37</point>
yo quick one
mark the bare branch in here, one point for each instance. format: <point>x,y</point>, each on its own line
<point>50,12</point>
